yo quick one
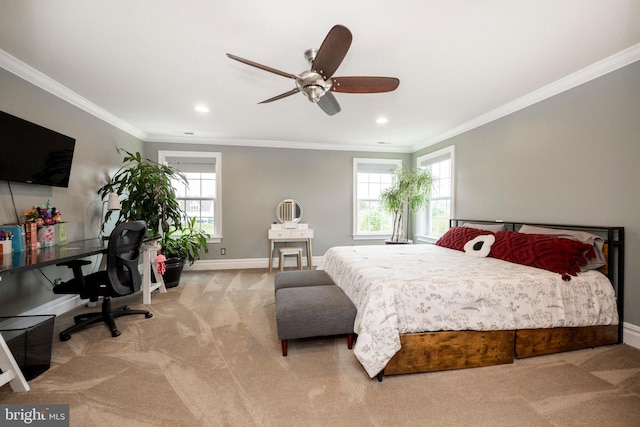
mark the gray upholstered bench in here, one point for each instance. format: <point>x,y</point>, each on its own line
<point>313,311</point>
<point>301,278</point>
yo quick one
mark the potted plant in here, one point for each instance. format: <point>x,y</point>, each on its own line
<point>180,248</point>
<point>409,192</point>
<point>148,194</point>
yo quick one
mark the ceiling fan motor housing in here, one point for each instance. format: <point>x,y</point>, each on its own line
<point>313,85</point>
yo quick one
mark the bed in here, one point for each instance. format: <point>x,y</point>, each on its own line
<point>427,307</point>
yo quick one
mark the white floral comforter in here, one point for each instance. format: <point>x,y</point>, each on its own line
<point>418,288</point>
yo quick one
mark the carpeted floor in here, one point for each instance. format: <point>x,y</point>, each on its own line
<point>210,356</point>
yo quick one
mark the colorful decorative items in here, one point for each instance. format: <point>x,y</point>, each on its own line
<point>43,215</point>
<point>48,220</point>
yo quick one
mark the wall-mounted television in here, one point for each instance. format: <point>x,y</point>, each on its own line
<point>34,154</point>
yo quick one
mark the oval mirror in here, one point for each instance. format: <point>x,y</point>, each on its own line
<point>289,210</point>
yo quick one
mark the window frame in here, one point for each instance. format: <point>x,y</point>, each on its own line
<point>394,163</point>
<point>422,162</point>
<point>217,202</point>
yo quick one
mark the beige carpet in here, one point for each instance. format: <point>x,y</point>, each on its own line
<point>210,357</point>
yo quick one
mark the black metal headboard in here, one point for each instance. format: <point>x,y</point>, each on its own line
<point>613,237</point>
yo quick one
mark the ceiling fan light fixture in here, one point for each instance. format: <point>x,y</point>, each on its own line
<point>313,92</point>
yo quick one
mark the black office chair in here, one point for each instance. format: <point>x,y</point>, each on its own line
<point>120,278</point>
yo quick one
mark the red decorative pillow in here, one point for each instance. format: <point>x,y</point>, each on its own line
<point>457,237</point>
<point>560,255</point>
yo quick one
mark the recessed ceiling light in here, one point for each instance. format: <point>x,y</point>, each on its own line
<point>201,108</point>
<point>381,120</point>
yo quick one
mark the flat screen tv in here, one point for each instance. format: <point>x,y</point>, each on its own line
<point>34,154</point>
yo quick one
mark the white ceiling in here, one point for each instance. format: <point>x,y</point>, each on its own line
<point>144,64</point>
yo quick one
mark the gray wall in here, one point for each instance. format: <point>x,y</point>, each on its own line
<point>572,159</point>
<point>255,180</point>
<point>94,158</point>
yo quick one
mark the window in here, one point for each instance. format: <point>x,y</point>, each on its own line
<point>370,178</point>
<point>201,197</point>
<point>433,220</point>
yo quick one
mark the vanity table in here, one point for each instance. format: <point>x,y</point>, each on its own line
<point>289,229</point>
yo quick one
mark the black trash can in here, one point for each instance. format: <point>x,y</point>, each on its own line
<point>29,338</point>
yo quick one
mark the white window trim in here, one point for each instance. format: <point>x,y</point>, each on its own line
<point>163,154</point>
<point>356,162</point>
<point>451,151</point>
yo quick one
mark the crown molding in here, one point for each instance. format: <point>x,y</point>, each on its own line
<point>35,77</point>
<point>278,144</point>
<point>598,69</point>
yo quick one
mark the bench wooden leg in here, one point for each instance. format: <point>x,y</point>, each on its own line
<point>349,341</point>
<point>284,348</point>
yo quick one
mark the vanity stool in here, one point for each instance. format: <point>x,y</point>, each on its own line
<point>291,250</point>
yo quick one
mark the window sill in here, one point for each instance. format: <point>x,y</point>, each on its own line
<point>371,236</point>
<point>421,238</point>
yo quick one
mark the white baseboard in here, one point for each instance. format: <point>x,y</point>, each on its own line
<point>58,306</point>
<point>631,334</point>
<point>235,264</point>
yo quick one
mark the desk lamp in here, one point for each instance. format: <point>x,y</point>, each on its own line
<point>112,204</point>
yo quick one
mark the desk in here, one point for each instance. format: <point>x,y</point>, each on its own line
<point>294,235</point>
<point>52,255</point>
<point>38,258</point>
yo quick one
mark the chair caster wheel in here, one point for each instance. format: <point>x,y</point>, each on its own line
<point>115,333</point>
<point>148,315</point>
<point>65,337</point>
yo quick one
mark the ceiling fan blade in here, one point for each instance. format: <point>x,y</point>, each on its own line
<point>329,104</point>
<point>262,67</point>
<point>332,51</point>
<point>364,84</point>
<point>282,95</point>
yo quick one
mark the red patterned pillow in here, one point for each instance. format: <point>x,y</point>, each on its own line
<point>457,237</point>
<point>560,255</point>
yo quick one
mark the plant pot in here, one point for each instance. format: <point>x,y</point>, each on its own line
<point>173,272</point>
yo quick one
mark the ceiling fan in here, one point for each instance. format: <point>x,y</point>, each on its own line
<point>318,82</point>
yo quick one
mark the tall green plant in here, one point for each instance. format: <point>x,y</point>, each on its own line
<point>149,193</point>
<point>409,192</point>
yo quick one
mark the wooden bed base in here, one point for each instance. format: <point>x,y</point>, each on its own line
<point>439,351</point>
<point>536,342</point>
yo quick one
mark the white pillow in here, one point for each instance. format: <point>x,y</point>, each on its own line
<point>480,246</point>
<point>489,227</point>
<point>581,236</point>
